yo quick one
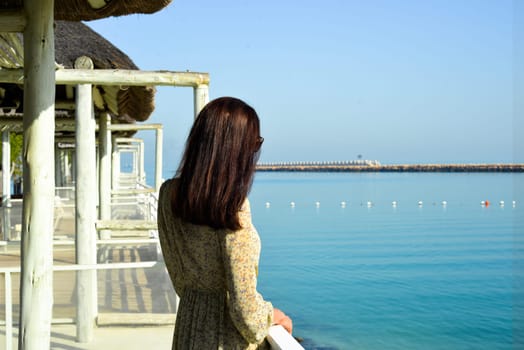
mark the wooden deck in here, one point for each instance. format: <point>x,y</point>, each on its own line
<point>127,296</point>
<point>128,291</point>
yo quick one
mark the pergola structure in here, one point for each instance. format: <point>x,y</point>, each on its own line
<point>36,74</point>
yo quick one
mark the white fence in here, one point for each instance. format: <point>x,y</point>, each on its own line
<point>146,200</point>
<point>8,287</point>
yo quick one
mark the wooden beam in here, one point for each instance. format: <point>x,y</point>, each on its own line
<point>134,127</point>
<point>133,191</point>
<point>69,124</point>
<point>128,139</point>
<point>12,21</point>
<point>115,77</point>
<point>36,279</point>
<point>126,225</point>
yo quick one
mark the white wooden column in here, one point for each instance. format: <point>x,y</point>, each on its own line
<point>104,188</point>
<point>58,166</point>
<point>135,156</point>
<point>158,158</point>
<point>66,170</point>
<point>200,97</point>
<point>6,185</point>
<point>85,187</point>
<point>141,166</point>
<point>36,279</point>
<point>115,164</point>
<point>6,170</point>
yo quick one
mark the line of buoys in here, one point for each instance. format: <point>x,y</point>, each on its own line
<point>369,204</point>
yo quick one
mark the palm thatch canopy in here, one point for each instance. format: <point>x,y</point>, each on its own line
<point>85,10</point>
<point>73,40</point>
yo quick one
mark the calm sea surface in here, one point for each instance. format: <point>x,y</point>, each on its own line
<point>378,276</point>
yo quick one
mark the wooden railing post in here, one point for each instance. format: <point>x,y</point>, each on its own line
<point>8,311</point>
<point>201,97</point>
<point>105,152</point>
<point>86,286</point>
<point>6,185</point>
<point>158,158</point>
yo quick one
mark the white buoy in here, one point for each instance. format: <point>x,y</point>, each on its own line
<point>444,203</point>
<point>420,203</point>
<point>317,204</point>
<point>268,204</point>
<point>292,204</point>
<point>394,203</point>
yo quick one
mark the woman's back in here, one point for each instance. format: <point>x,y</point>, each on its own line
<point>214,273</point>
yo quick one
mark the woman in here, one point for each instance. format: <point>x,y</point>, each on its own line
<point>210,246</point>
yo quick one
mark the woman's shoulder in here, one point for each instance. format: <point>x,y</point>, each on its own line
<point>168,184</point>
<point>165,194</point>
<point>167,187</point>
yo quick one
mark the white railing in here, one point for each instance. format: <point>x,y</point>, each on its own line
<point>280,339</point>
<point>8,286</point>
<point>66,192</point>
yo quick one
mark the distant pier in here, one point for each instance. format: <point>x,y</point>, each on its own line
<point>375,166</point>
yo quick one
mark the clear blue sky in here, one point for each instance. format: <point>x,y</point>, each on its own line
<point>400,81</point>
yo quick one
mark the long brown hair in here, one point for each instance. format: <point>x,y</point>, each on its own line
<point>217,168</point>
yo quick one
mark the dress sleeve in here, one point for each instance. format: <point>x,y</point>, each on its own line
<point>249,312</point>
<point>167,243</point>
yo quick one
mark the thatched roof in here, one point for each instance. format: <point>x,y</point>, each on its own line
<point>82,10</point>
<point>73,40</point>
<point>85,10</point>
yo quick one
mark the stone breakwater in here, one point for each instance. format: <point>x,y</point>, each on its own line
<point>392,167</point>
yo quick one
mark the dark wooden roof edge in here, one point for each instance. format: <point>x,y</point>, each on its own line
<point>81,10</point>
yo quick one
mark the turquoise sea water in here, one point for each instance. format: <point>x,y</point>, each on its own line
<point>410,276</point>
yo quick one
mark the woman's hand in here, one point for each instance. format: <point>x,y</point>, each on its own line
<point>282,319</point>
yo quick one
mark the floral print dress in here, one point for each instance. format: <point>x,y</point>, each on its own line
<point>214,272</point>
